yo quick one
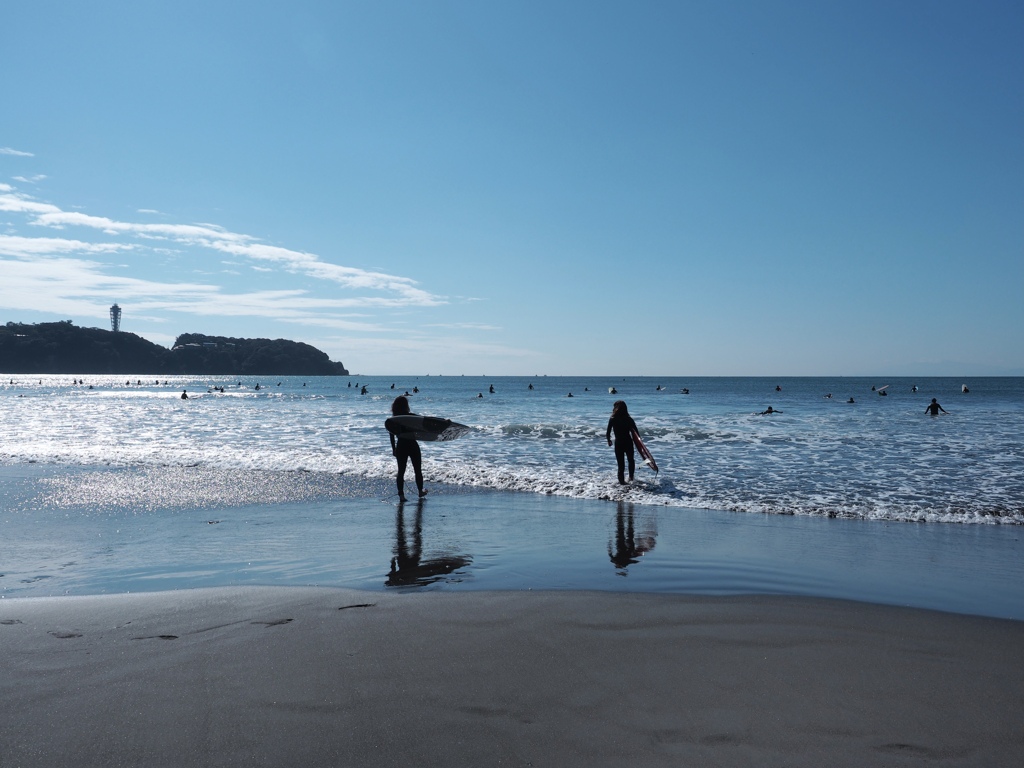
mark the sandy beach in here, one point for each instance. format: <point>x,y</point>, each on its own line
<point>314,676</point>
<point>142,624</point>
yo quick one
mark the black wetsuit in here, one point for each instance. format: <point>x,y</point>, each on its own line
<point>405,448</point>
<point>621,426</point>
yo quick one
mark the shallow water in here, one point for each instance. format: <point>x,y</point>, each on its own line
<point>87,531</point>
<point>878,458</point>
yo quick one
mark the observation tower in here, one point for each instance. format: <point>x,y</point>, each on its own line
<point>115,318</point>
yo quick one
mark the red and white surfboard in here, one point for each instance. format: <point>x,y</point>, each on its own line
<point>642,450</point>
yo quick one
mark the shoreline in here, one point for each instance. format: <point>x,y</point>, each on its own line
<point>318,676</point>
<point>84,531</point>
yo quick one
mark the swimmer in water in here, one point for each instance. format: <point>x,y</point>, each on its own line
<point>768,412</point>
<point>933,408</point>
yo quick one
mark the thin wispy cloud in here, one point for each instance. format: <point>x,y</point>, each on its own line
<point>27,247</point>
<point>213,237</point>
<point>68,274</point>
<point>15,152</point>
<point>465,326</point>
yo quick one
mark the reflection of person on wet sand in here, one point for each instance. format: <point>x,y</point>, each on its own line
<point>628,548</point>
<point>407,567</point>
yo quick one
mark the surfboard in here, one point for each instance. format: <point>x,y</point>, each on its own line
<point>426,428</point>
<point>642,450</point>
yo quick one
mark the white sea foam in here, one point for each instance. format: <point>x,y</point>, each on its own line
<point>880,458</point>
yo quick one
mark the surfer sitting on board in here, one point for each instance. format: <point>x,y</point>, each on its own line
<point>621,423</point>
<point>405,447</point>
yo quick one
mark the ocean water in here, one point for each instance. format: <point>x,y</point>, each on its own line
<point>877,458</point>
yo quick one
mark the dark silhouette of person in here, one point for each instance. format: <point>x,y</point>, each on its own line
<point>491,389</point>
<point>405,447</point>
<point>933,408</point>
<point>184,394</point>
<point>621,423</point>
<point>768,412</point>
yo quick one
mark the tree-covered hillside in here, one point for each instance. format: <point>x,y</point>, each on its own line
<point>196,353</point>
<point>65,348</point>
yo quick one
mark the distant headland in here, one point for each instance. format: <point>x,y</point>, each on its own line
<point>62,347</point>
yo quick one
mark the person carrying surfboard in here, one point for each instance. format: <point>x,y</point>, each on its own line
<point>622,424</point>
<point>404,447</point>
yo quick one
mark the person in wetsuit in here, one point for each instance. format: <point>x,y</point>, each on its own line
<point>404,448</point>
<point>621,423</point>
<point>933,408</point>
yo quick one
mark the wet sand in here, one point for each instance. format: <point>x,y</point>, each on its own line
<point>88,531</point>
<point>326,677</point>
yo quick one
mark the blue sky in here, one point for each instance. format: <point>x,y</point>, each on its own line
<point>667,188</point>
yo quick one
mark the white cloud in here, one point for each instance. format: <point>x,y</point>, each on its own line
<point>9,151</point>
<point>15,203</point>
<point>29,247</point>
<point>466,326</point>
<point>213,237</point>
<point>76,276</point>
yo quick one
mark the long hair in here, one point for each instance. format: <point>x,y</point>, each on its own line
<point>619,408</point>
<point>401,406</point>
